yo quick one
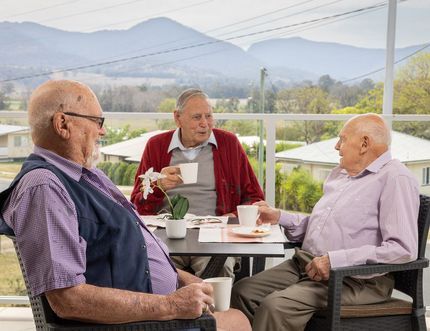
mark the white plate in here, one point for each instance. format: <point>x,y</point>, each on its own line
<point>248,232</point>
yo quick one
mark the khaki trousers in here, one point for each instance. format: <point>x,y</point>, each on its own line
<point>199,263</point>
<point>284,298</point>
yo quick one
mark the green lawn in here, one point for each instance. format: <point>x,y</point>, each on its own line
<point>11,281</point>
<point>9,170</point>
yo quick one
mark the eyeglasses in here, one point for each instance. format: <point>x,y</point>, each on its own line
<point>97,119</point>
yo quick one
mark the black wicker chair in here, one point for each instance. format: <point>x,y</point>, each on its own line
<point>395,314</point>
<point>46,320</point>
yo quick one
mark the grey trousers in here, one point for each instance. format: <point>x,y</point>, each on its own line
<point>284,298</point>
<point>199,263</point>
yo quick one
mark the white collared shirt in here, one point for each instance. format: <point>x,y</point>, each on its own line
<point>191,152</point>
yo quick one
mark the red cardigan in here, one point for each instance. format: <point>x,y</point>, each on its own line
<point>235,181</point>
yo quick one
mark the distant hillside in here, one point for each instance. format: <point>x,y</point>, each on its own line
<point>320,58</point>
<point>164,50</point>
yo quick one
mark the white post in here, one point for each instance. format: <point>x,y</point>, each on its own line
<point>270,159</point>
<point>389,61</point>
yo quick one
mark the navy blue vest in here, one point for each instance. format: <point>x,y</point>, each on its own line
<point>116,249</point>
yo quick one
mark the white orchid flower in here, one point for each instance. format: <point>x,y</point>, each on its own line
<point>149,176</point>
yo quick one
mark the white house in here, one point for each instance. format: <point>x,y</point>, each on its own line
<point>319,158</point>
<point>129,150</point>
<point>15,142</point>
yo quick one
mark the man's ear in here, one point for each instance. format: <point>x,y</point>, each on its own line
<point>60,125</point>
<point>365,144</point>
<point>176,116</point>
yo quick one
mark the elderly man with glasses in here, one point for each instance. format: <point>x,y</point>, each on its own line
<point>81,241</point>
<point>225,178</point>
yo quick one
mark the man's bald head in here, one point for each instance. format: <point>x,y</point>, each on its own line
<point>372,125</point>
<point>55,96</point>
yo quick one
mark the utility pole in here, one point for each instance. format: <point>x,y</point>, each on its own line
<point>263,74</point>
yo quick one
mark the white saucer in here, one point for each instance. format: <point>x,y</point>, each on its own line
<point>246,231</point>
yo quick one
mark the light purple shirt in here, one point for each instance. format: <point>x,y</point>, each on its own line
<point>43,217</point>
<point>364,219</point>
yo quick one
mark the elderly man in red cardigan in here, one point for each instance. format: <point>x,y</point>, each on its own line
<point>225,177</point>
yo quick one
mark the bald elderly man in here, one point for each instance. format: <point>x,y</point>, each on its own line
<point>368,214</point>
<point>81,241</point>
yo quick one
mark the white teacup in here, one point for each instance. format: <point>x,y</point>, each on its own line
<point>248,215</point>
<point>189,172</point>
<point>222,292</point>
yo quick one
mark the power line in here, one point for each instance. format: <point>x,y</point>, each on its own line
<point>189,46</point>
<point>90,11</point>
<point>280,18</point>
<point>40,9</point>
<point>380,69</point>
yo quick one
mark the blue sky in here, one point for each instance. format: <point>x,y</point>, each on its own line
<point>226,18</point>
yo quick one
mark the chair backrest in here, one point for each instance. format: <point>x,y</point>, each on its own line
<point>42,312</point>
<point>423,224</point>
<point>410,281</point>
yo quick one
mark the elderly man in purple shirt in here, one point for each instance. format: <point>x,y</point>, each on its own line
<point>57,237</point>
<point>368,214</point>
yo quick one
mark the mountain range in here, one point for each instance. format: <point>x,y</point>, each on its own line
<point>164,49</point>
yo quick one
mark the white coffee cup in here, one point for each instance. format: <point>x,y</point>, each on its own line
<point>248,215</point>
<point>221,293</point>
<point>189,172</point>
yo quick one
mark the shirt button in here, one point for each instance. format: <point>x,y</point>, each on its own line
<point>147,272</point>
<point>137,223</point>
<point>143,246</point>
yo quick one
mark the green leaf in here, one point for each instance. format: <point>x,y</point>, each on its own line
<point>175,199</point>
<point>180,207</point>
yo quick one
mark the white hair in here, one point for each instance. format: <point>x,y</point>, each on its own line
<point>186,95</point>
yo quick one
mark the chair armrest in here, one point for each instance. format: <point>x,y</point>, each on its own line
<point>369,269</point>
<point>337,275</point>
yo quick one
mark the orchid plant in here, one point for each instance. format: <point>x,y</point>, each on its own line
<point>178,204</point>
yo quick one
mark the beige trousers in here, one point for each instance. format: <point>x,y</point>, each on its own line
<point>199,263</point>
<point>284,298</point>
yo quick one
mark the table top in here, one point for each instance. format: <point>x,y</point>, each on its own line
<point>190,246</point>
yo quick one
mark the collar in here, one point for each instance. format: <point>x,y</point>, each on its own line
<point>176,142</point>
<point>375,166</point>
<point>72,169</point>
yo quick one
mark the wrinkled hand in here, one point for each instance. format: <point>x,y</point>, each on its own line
<point>188,302</point>
<point>171,179</point>
<point>319,268</point>
<point>267,213</point>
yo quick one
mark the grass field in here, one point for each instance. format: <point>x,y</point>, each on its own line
<point>11,281</point>
<point>9,170</point>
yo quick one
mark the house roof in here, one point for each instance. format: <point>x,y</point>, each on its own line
<point>6,129</point>
<point>404,147</point>
<point>131,149</point>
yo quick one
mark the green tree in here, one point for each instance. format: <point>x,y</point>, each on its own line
<point>116,135</point>
<point>112,170</point>
<point>305,100</point>
<point>301,190</point>
<point>118,175</point>
<point>166,106</point>
<point>129,174</point>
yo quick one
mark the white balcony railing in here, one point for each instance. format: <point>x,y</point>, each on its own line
<point>269,121</point>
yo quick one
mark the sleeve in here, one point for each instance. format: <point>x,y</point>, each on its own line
<point>295,225</point>
<point>398,214</point>
<point>152,204</point>
<point>46,227</point>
